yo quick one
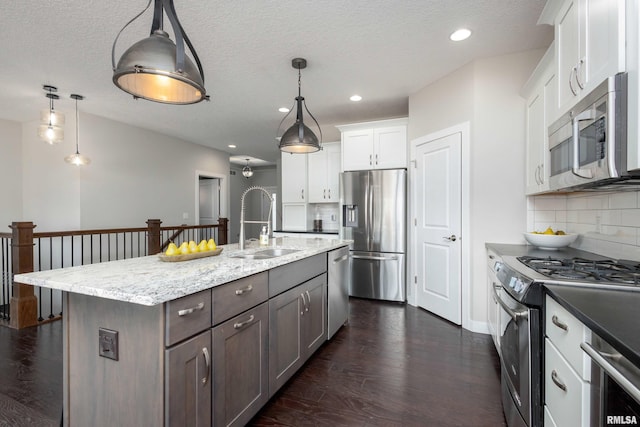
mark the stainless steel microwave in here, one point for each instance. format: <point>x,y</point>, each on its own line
<point>588,145</point>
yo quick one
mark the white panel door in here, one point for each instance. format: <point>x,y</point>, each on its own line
<point>438,225</point>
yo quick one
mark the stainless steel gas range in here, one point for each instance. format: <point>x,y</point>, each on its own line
<point>519,293</point>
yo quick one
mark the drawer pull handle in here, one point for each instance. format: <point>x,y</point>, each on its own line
<point>559,324</point>
<point>342,258</point>
<point>207,364</point>
<point>239,325</point>
<point>244,290</point>
<point>188,311</point>
<point>556,381</point>
<point>309,299</point>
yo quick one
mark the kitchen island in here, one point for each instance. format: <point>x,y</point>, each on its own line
<point>201,342</point>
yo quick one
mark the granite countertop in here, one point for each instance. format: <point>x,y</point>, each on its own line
<point>150,281</point>
<point>611,314</point>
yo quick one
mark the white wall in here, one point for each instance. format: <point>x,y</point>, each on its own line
<point>134,175</point>
<point>10,173</point>
<point>486,93</point>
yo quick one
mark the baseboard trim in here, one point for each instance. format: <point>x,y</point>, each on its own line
<point>477,327</point>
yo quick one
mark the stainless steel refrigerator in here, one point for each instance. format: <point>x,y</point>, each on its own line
<point>373,214</point>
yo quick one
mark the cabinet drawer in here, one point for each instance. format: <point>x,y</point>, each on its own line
<point>187,316</point>
<point>287,276</point>
<point>566,395</point>
<point>233,298</point>
<point>567,333</point>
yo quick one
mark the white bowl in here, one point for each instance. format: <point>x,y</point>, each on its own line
<point>550,242</point>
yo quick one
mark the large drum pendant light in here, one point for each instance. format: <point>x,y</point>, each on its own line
<point>155,68</point>
<point>299,138</point>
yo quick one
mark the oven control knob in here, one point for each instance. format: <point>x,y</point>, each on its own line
<point>518,286</point>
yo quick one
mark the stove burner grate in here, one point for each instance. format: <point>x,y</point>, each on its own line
<point>623,272</point>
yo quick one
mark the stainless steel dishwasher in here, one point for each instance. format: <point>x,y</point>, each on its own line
<point>338,292</point>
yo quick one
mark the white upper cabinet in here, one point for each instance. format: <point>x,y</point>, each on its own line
<point>539,91</point>
<point>294,178</point>
<point>374,145</point>
<point>324,174</point>
<point>590,46</point>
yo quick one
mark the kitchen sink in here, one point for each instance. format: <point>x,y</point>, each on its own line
<point>267,253</point>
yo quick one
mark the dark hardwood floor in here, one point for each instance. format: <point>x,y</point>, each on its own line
<point>393,365</point>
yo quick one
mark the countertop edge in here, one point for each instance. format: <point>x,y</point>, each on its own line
<point>117,280</point>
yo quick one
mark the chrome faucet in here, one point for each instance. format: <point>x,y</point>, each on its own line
<point>243,222</point>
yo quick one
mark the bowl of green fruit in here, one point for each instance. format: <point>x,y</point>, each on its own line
<point>550,239</point>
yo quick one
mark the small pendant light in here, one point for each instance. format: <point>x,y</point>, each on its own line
<point>299,138</point>
<point>247,172</point>
<point>51,121</point>
<point>77,158</point>
<point>155,68</point>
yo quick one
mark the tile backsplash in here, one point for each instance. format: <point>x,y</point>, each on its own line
<point>328,212</point>
<point>608,223</point>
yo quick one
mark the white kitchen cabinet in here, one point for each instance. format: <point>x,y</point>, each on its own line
<point>294,178</point>
<point>374,145</point>
<point>294,192</point>
<point>295,216</point>
<point>324,174</point>
<point>590,46</point>
<point>567,368</point>
<point>493,309</point>
<point>539,92</point>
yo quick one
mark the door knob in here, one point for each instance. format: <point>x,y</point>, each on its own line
<point>451,238</point>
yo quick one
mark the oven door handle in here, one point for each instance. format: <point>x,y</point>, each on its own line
<point>512,313</point>
<point>575,169</point>
<point>606,366</point>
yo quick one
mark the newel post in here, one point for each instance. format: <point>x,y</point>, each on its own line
<point>222,231</point>
<point>153,236</point>
<point>23,304</point>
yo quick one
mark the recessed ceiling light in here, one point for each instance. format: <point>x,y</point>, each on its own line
<point>283,109</point>
<point>356,98</point>
<point>459,35</point>
<point>231,146</point>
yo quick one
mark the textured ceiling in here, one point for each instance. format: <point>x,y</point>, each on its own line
<point>383,50</point>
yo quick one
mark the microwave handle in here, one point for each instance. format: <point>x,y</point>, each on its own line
<point>582,173</point>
